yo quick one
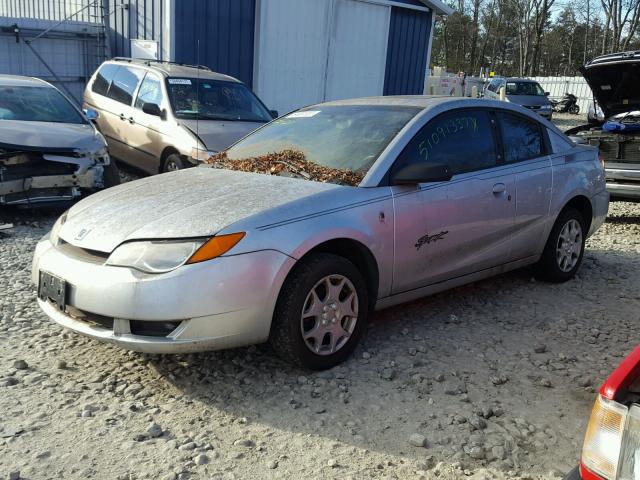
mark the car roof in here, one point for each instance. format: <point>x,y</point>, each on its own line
<point>171,69</point>
<point>420,101</point>
<point>20,81</point>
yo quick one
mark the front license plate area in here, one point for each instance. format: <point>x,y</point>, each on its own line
<point>53,288</point>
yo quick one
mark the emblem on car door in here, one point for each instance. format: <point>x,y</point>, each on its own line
<point>426,239</point>
<point>82,233</point>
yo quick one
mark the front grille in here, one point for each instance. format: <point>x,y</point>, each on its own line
<point>83,254</point>
<point>138,327</point>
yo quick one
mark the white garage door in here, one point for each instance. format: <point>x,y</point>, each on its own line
<point>314,50</point>
<point>358,50</point>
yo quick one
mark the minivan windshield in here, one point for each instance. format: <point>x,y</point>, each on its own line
<point>205,99</point>
<point>524,88</point>
<point>36,104</point>
<point>336,143</point>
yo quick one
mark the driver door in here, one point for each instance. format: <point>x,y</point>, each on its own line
<point>450,229</point>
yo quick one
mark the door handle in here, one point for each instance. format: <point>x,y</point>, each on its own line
<point>122,117</point>
<point>131,120</point>
<point>499,188</point>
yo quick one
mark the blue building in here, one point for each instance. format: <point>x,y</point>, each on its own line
<point>292,52</point>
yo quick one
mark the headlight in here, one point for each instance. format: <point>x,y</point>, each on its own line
<point>165,255</point>
<point>201,155</point>
<point>54,236</point>
<point>601,449</point>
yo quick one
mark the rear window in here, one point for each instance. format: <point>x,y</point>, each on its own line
<point>124,84</point>
<point>522,137</point>
<point>103,79</point>
<point>37,104</point>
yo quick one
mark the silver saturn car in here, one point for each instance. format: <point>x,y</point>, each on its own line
<point>296,233</point>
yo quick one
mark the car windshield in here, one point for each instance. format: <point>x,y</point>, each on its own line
<point>206,99</point>
<point>36,104</point>
<point>337,143</point>
<point>524,88</point>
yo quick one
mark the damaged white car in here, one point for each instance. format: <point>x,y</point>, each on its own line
<point>50,153</point>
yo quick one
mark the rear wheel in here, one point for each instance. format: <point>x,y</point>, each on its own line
<point>574,109</point>
<point>321,312</point>
<point>172,163</point>
<point>564,250</point>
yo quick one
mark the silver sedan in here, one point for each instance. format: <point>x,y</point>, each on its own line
<point>316,219</point>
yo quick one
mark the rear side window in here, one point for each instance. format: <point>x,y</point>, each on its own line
<point>521,137</point>
<point>124,84</point>
<point>461,139</point>
<point>103,79</point>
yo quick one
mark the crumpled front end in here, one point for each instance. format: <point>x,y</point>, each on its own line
<point>34,177</point>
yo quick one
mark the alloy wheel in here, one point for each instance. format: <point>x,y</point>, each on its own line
<point>569,246</point>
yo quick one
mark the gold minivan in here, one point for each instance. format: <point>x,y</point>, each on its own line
<point>162,116</point>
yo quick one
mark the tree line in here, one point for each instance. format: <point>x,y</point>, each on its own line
<point>533,37</point>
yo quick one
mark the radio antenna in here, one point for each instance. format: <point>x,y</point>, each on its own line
<point>198,91</point>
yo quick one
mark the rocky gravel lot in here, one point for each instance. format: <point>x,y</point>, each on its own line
<point>491,380</point>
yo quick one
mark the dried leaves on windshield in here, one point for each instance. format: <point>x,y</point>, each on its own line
<point>287,163</point>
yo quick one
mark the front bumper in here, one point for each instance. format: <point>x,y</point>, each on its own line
<point>573,474</point>
<point>623,183</point>
<point>222,303</point>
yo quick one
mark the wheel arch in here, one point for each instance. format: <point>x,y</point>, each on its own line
<point>583,205</point>
<point>165,153</point>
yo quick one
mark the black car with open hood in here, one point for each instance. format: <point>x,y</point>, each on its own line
<point>615,82</point>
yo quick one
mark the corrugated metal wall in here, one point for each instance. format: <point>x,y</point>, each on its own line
<point>409,33</point>
<point>48,9</point>
<point>141,19</point>
<point>225,30</point>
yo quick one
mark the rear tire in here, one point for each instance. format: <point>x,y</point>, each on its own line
<point>574,109</point>
<point>173,163</point>
<point>111,175</point>
<point>563,253</point>
<point>321,312</point>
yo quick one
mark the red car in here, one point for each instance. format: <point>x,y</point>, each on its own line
<point>611,448</point>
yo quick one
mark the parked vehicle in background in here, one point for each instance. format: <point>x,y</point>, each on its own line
<point>567,104</point>
<point>50,153</point>
<point>611,449</point>
<point>521,91</point>
<point>615,82</point>
<point>360,204</point>
<point>161,116</point>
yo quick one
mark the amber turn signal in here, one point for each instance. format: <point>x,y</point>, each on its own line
<point>215,247</point>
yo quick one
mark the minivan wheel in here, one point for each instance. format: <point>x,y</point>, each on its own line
<point>564,250</point>
<point>111,175</point>
<point>321,312</point>
<point>172,163</point>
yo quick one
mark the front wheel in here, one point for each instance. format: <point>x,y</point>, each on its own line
<point>173,163</point>
<point>111,175</point>
<point>574,109</point>
<point>321,312</point>
<point>564,250</point>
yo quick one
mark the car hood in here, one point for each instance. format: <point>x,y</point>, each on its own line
<point>217,135</point>
<point>614,85</point>
<point>49,136</point>
<point>529,100</point>
<point>196,202</point>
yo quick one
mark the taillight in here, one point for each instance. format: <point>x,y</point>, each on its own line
<point>601,158</point>
<point>601,450</point>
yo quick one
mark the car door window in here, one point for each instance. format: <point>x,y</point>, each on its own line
<point>103,79</point>
<point>150,91</point>
<point>124,84</point>
<point>521,137</point>
<point>461,139</point>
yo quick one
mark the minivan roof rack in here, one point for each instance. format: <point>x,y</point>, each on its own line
<point>148,62</point>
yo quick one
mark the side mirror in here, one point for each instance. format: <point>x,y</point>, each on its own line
<point>153,109</point>
<point>274,113</point>
<point>547,93</point>
<point>421,173</point>
<point>91,114</point>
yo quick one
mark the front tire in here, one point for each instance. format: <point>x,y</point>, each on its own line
<point>173,163</point>
<point>574,109</point>
<point>111,175</point>
<point>321,312</point>
<point>563,253</point>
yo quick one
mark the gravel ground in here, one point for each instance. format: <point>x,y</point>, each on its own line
<point>491,380</point>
